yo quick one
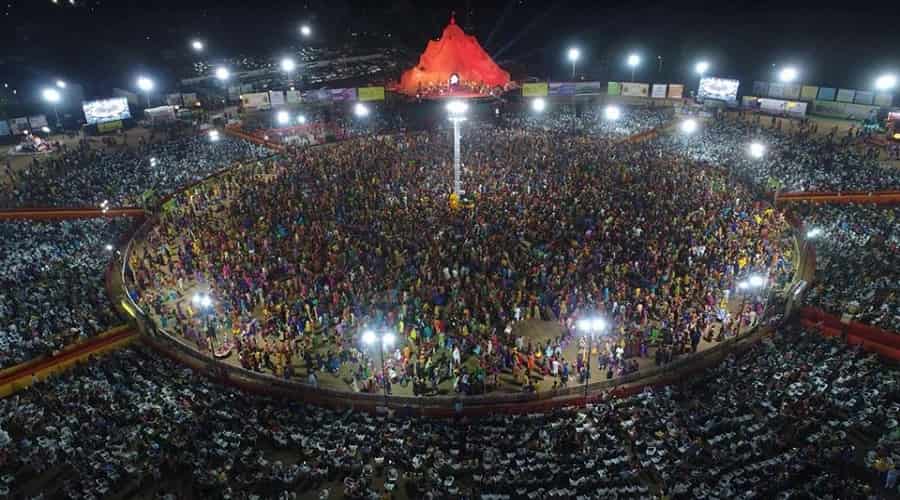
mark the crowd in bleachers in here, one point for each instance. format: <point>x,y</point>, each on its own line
<point>86,175</point>
<point>857,262</point>
<point>52,289</point>
<point>796,416</point>
<point>798,156</point>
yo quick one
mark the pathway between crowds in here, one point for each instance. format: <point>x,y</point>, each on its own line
<point>69,213</point>
<point>19,377</point>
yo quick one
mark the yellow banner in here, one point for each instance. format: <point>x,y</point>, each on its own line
<point>109,126</point>
<point>370,93</point>
<point>539,89</point>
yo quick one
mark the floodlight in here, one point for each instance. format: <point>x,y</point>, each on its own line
<point>301,119</point>
<point>197,45</point>
<point>757,150</point>
<point>288,65</point>
<point>109,248</point>
<point>388,339</point>
<point>305,30</point>
<point>145,84</point>
<point>368,337</point>
<point>788,74</point>
<point>360,110</point>
<point>538,104</point>
<point>283,117</point>
<point>457,107</point>
<point>61,84</point>
<point>757,281</point>
<point>51,95</point>
<point>214,135</point>
<point>45,129</point>
<point>574,54</point>
<point>205,300</point>
<point>701,67</point>
<point>222,73</point>
<point>814,233</point>
<point>634,60</point>
<point>598,324</point>
<point>689,126</point>
<point>612,113</point>
<point>886,82</point>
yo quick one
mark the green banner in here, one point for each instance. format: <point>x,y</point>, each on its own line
<point>809,92</point>
<point>109,126</point>
<point>538,89</point>
<point>370,93</point>
<point>613,88</point>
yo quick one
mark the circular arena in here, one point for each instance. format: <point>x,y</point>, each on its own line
<point>402,273</point>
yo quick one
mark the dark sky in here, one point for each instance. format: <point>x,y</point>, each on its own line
<point>106,42</point>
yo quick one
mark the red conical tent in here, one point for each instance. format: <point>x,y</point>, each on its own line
<point>454,53</point>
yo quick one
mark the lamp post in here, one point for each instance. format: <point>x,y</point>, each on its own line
<point>590,327</point>
<point>574,54</point>
<point>222,74</point>
<point>753,282</point>
<point>538,104</point>
<point>53,96</point>
<point>612,113</point>
<point>146,85</point>
<point>633,61</point>
<point>788,74</point>
<point>197,45</point>
<point>886,82</point>
<point>457,111</point>
<point>305,30</point>
<point>288,66</point>
<point>384,340</point>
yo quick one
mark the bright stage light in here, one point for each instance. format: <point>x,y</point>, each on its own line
<point>214,135</point>
<point>283,117</point>
<point>305,30</point>
<point>612,113</point>
<point>360,110</point>
<point>222,73</point>
<point>788,74</point>
<point>634,60</point>
<point>45,129</point>
<point>757,281</point>
<point>197,45</point>
<point>689,126</point>
<point>61,84</point>
<point>301,119</point>
<point>701,67</point>
<point>538,104</point>
<point>886,82</point>
<point>288,65</point>
<point>388,339</point>
<point>145,84</point>
<point>368,337</point>
<point>757,150</point>
<point>205,301</point>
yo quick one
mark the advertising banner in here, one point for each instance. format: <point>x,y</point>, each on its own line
<point>189,99</point>
<point>795,108</point>
<point>292,96</point>
<point>4,128</point>
<point>676,91</point>
<point>589,88</point>
<point>749,101</point>
<point>377,93</point>
<point>826,94</point>
<point>276,98</point>
<point>776,90</point>
<point>343,94</point>
<point>845,95</point>
<point>809,92</point>
<point>883,100</point>
<point>863,97</point>
<point>256,101</point>
<point>760,88</point>
<point>561,89</point>
<point>782,107</point>
<point>173,99</point>
<point>845,110</point>
<point>613,88</point>
<point>635,89</point>
<point>659,91</point>
<point>37,121</point>
<point>18,125</point>
<point>109,126</point>
<point>792,91</point>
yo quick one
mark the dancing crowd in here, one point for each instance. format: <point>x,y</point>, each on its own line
<point>795,416</point>
<point>52,289</point>
<point>85,175</point>
<point>301,255</point>
<point>592,120</point>
<point>857,262</point>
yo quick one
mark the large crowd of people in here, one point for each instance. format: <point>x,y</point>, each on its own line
<point>799,157</point>
<point>300,256</point>
<point>592,120</point>
<point>796,416</point>
<point>86,175</point>
<point>857,262</point>
<point>52,289</point>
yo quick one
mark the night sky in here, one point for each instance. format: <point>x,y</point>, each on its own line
<point>102,43</point>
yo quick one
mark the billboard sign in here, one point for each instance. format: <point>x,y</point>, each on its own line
<point>883,100</point>
<point>791,91</point>
<point>659,91</point>
<point>864,97</point>
<point>760,88</point>
<point>106,110</point>
<point>556,89</point>
<point>719,89</point>
<point>377,93</point>
<point>613,88</point>
<point>635,89</point>
<point>256,101</point>
<point>109,126</point>
<point>37,121</point>
<point>589,88</point>
<point>292,96</point>
<point>826,94</point>
<point>809,92</point>
<point>18,126</point>
<point>676,91</point>
<point>276,98</point>
<point>845,95</point>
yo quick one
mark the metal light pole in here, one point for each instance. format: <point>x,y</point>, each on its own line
<point>457,110</point>
<point>591,327</point>
<point>384,340</point>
